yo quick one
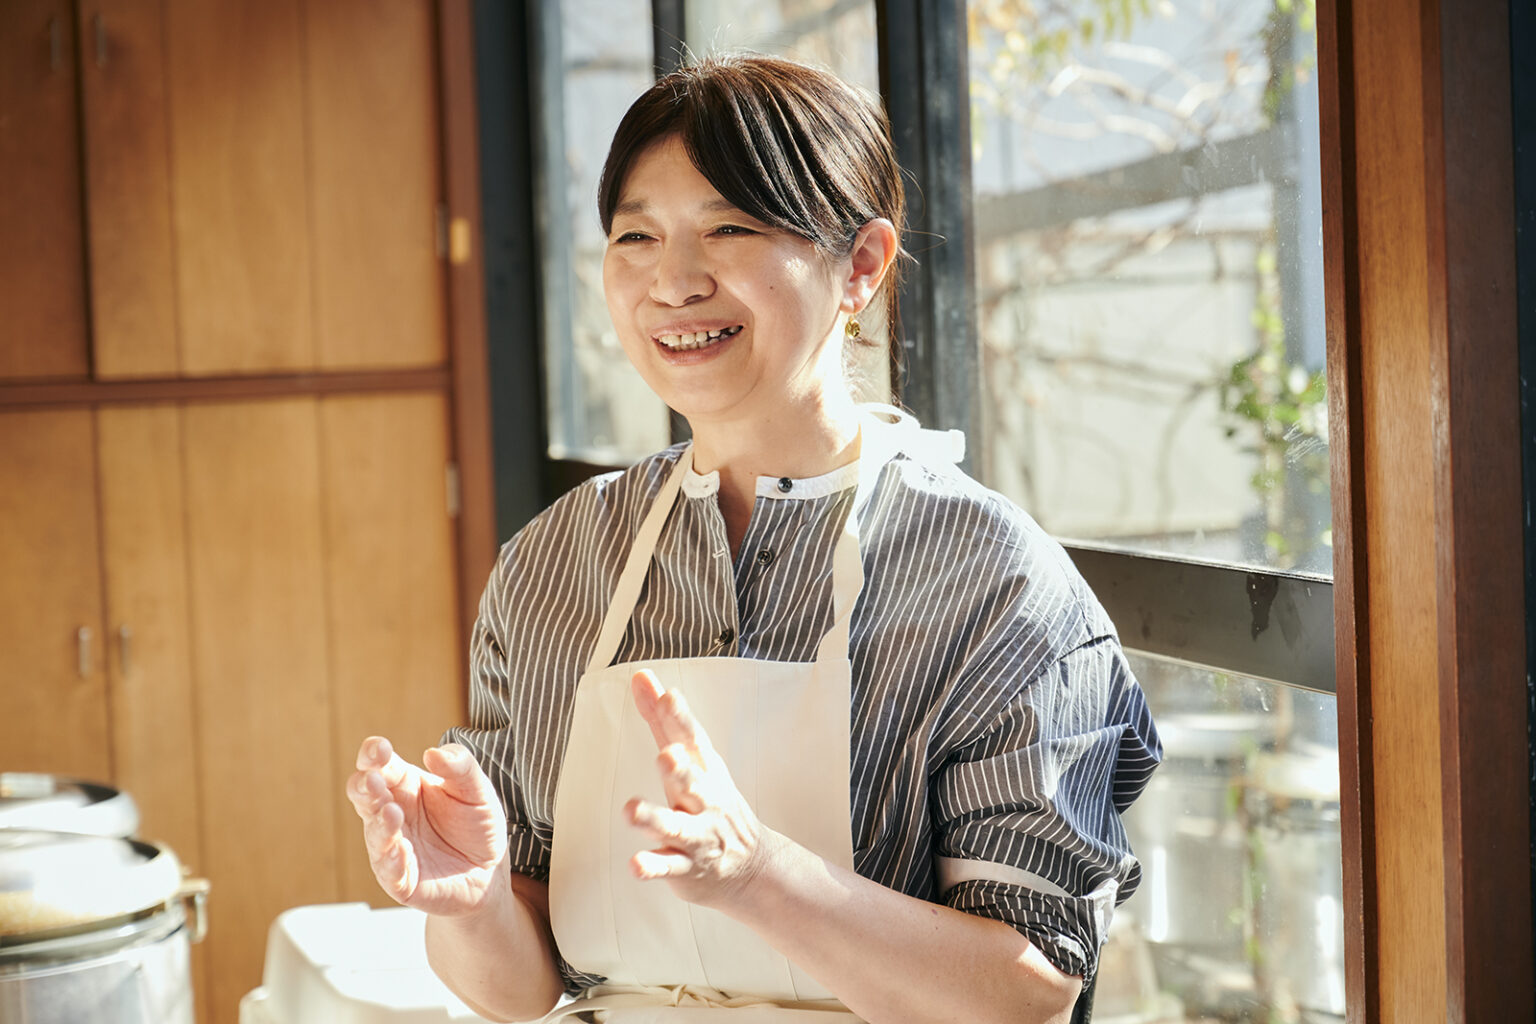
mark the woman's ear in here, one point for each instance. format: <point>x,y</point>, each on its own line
<point>875,246</point>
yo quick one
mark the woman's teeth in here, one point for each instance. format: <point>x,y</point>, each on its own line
<point>698,339</point>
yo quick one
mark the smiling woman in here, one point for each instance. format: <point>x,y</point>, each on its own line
<point>796,716</point>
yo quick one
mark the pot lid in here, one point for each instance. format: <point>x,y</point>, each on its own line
<point>52,803</point>
<point>50,881</point>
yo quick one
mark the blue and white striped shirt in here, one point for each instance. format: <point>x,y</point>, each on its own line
<point>994,721</point>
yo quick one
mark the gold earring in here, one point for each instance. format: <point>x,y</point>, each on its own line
<point>852,329</point>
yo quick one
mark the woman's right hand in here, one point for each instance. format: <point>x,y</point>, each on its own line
<point>436,837</point>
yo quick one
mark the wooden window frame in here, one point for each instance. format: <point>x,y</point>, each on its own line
<point>1431,620</point>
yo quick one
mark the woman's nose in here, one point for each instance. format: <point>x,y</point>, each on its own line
<point>681,275</point>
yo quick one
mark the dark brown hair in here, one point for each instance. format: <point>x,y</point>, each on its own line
<point>789,144</point>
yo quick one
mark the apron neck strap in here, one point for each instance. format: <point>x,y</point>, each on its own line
<point>632,579</point>
<point>884,430</point>
<point>877,445</point>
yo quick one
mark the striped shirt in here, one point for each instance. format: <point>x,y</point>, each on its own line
<point>995,725</point>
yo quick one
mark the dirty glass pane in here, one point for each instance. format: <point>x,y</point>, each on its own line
<point>599,410</point>
<point>1149,273</point>
<point>1239,916</point>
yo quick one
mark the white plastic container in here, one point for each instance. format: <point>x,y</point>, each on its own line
<point>346,963</point>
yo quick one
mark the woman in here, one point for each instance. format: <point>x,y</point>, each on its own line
<point>793,722</point>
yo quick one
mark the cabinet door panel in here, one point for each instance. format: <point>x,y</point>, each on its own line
<point>149,657</point>
<point>240,209</point>
<point>395,644</point>
<point>133,268</point>
<point>374,144</point>
<point>263,709</point>
<point>53,704</point>
<point>42,273</point>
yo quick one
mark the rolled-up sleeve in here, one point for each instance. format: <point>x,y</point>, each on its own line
<point>488,735</point>
<point>1027,814</point>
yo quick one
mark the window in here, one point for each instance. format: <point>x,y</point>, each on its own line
<point>1116,217</point>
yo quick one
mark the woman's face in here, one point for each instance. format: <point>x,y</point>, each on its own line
<point>724,316</point>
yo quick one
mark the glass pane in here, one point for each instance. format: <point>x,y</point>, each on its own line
<point>833,34</point>
<point>599,409</point>
<point>1149,273</point>
<point>1239,916</point>
<point>838,35</point>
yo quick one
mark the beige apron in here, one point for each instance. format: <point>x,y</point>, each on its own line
<point>781,728</point>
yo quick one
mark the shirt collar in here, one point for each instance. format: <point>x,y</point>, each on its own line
<point>704,485</point>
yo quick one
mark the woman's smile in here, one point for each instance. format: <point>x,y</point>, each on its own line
<point>693,339</point>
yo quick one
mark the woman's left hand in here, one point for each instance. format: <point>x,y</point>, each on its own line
<point>709,844</point>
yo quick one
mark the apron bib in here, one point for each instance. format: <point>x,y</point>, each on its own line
<point>781,728</point>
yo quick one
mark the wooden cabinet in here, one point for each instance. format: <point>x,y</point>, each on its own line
<point>231,424</point>
<point>373,136</point>
<point>42,287</point>
<point>126,128</point>
<point>266,582</point>
<point>53,706</point>
<point>260,188</point>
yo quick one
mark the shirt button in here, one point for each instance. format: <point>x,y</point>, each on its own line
<point>765,556</point>
<point>726,636</point>
<point>785,484</point>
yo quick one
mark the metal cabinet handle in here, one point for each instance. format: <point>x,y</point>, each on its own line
<point>83,643</point>
<point>124,637</point>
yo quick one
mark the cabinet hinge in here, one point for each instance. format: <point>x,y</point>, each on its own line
<point>451,479</point>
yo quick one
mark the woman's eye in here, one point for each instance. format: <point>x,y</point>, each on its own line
<point>733,229</point>
<point>630,236</point>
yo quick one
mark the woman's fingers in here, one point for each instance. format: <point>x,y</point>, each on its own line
<point>377,754</point>
<point>382,830</point>
<point>680,778</point>
<point>668,714</point>
<point>647,690</point>
<point>374,752</point>
<point>649,864</point>
<point>672,829</point>
<point>461,776</point>
<point>394,866</point>
<point>680,726</point>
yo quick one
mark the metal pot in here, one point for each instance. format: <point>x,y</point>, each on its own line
<point>95,929</point>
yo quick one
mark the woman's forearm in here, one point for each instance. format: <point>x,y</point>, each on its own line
<point>500,959</point>
<point>892,958</point>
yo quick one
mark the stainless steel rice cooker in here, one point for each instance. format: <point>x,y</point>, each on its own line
<point>52,803</point>
<point>95,929</point>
